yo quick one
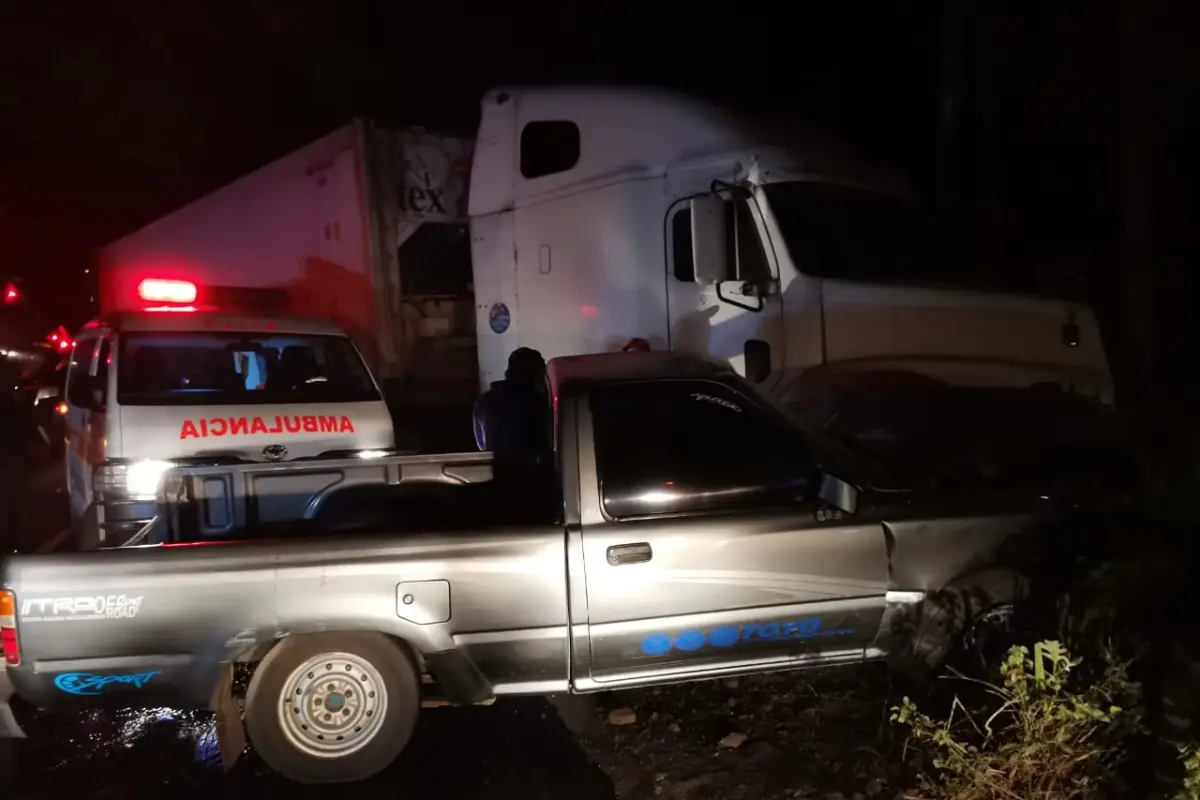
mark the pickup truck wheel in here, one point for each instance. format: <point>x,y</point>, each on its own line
<point>332,707</point>
<point>966,612</point>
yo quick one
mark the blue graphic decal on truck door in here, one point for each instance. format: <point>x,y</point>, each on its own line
<point>659,644</point>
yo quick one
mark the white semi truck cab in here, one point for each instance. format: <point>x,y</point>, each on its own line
<point>579,219</point>
<point>599,215</point>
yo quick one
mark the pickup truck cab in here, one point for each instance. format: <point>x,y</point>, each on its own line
<point>690,530</point>
<point>147,390</point>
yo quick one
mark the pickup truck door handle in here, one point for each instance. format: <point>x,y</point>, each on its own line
<point>629,553</point>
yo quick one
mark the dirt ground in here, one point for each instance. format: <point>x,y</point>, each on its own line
<point>815,734</point>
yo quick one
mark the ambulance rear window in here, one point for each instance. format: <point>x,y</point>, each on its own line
<point>209,369</point>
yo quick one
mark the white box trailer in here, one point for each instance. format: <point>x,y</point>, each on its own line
<point>366,227</point>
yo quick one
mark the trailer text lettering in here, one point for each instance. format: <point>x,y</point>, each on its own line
<point>248,426</point>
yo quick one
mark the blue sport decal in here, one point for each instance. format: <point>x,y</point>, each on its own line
<point>659,644</point>
<point>499,318</point>
<point>85,683</point>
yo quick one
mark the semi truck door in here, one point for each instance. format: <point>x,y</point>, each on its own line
<point>723,284</point>
<point>704,546</point>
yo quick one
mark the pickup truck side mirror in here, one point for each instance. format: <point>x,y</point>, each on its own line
<point>708,239</point>
<point>839,494</point>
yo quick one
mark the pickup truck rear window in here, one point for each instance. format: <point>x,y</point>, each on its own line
<point>669,447</point>
<point>205,369</point>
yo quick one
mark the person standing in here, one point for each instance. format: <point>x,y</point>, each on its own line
<point>513,415</point>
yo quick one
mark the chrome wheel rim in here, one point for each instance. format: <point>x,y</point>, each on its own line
<point>333,705</point>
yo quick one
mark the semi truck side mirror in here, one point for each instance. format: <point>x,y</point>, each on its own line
<point>708,239</point>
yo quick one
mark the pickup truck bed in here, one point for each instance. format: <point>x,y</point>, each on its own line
<point>396,493</point>
<point>635,567</point>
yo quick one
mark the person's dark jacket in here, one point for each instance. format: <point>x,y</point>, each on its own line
<point>513,416</point>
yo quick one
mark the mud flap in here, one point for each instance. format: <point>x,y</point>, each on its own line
<point>231,733</point>
<point>460,680</point>
<point>86,530</point>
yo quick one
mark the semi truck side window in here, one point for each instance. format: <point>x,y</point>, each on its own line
<point>666,447</point>
<point>683,260</point>
<point>549,147</point>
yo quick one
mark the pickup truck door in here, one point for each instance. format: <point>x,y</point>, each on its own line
<point>702,550</point>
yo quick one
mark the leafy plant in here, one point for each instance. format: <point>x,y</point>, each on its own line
<point>1191,777</point>
<point>1037,738</point>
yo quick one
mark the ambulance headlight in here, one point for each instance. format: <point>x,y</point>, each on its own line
<point>136,480</point>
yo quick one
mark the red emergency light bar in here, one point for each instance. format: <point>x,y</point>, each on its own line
<point>160,290</point>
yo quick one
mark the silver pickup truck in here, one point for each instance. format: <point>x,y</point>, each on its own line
<point>686,529</point>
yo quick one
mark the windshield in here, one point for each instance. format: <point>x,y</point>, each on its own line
<point>208,369</point>
<point>851,233</point>
<point>858,234</point>
<point>924,429</point>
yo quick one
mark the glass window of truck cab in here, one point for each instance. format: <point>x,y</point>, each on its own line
<point>683,446</point>
<point>854,233</point>
<point>87,374</point>
<point>239,368</point>
<point>744,251</point>
<point>830,230</point>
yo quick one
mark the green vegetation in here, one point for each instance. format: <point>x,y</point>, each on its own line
<point>1039,736</point>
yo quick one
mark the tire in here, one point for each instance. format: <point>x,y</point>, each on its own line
<point>382,716</point>
<point>949,613</point>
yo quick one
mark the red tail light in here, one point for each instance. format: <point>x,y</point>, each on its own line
<point>11,293</point>
<point>158,290</point>
<point>8,628</point>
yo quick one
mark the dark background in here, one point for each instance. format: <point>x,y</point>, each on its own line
<point>1060,138</point>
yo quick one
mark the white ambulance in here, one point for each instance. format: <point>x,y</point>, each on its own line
<point>177,381</point>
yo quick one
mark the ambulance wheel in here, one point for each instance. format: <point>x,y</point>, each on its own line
<point>332,707</point>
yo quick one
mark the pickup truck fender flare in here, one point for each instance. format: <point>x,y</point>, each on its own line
<point>458,677</point>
